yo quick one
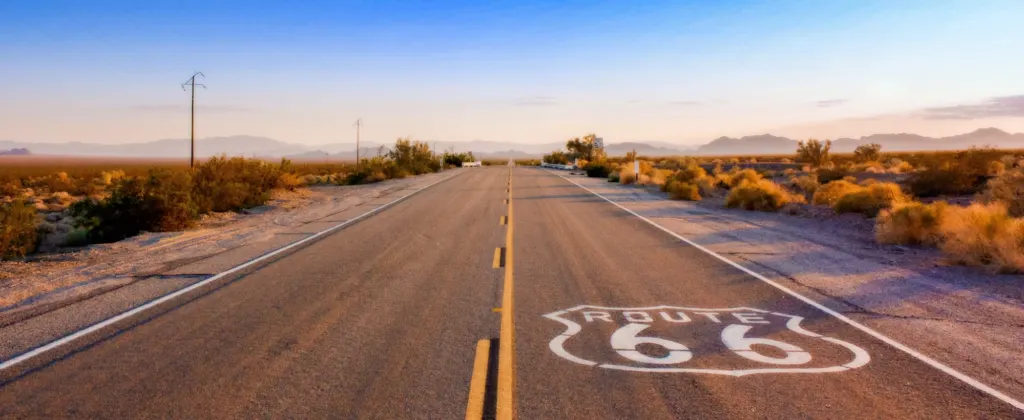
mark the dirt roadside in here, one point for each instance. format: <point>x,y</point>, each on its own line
<point>964,317</point>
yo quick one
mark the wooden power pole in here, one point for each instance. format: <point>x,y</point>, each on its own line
<point>358,124</point>
<point>192,83</point>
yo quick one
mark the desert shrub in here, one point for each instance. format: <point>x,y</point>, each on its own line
<point>868,153</point>
<point>414,157</point>
<point>746,175</point>
<point>290,181</point>
<point>683,191</point>
<point>910,223</point>
<point>159,202</point>
<point>899,166</point>
<point>1010,161</point>
<point>598,169</point>
<point>1007,188</point>
<point>806,184</point>
<point>829,194</point>
<point>983,235</point>
<point>231,184</point>
<point>871,199</point>
<point>557,157</point>
<point>626,178</point>
<point>760,195</point>
<point>964,173</point>
<point>813,152</point>
<point>995,168</point>
<point>527,162</point>
<point>690,173</point>
<point>707,186</point>
<point>18,225</point>
<point>827,175</point>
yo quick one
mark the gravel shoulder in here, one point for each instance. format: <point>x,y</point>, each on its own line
<point>964,317</point>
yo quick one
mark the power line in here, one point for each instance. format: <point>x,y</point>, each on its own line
<point>192,82</point>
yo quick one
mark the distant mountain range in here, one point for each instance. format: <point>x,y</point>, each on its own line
<point>266,147</point>
<point>768,144</point>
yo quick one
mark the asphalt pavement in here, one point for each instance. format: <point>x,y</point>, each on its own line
<point>613,319</point>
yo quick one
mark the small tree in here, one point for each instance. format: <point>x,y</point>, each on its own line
<point>868,153</point>
<point>814,152</point>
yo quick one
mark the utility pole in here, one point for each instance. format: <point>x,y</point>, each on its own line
<point>192,82</point>
<point>358,124</point>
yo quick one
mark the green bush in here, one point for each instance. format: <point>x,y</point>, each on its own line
<point>762,195</point>
<point>827,175</point>
<point>598,169</point>
<point>18,224</point>
<point>613,177</point>
<point>160,202</point>
<point>965,173</point>
<point>230,184</point>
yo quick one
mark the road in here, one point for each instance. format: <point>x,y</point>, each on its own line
<point>613,318</point>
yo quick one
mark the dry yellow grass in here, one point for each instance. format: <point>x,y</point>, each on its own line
<point>829,194</point>
<point>683,191</point>
<point>910,223</point>
<point>760,195</point>
<point>871,199</point>
<point>984,235</point>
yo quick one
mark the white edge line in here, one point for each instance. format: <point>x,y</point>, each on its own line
<point>928,360</point>
<point>135,311</point>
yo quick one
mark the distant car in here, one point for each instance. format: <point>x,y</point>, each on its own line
<point>469,164</point>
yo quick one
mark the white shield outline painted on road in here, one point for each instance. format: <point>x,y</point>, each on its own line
<point>860,356</point>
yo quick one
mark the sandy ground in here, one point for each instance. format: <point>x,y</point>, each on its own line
<point>967,317</point>
<point>153,253</point>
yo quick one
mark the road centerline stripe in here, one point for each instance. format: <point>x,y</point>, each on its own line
<point>863,328</point>
<point>506,342</point>
<point>478,382</point>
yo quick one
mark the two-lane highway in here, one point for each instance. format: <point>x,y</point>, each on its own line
<point>613,318</point>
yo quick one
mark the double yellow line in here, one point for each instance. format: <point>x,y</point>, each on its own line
<point>506,342</point>
<point>505,401</point>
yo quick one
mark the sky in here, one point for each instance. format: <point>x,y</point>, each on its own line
<point>512,71</point>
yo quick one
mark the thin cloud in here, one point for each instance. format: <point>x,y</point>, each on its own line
<point>828,103</point>
<point>684,103</point>
<point>1002,106</point>
<point>199,108</point>
<point>535,101</point>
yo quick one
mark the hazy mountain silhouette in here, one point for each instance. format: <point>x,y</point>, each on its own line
<point>270,148</point>
<point>901,142</point>
<point>15,152</point>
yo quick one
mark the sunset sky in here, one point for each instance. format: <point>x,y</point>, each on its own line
<point>521,71</point>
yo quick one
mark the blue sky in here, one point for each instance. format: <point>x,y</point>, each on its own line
<point>686,72</point>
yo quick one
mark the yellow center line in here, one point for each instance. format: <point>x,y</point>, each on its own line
<point>506,342</point>
<point>478,382</point>
<point>504,220</point>
<point>497,257</point>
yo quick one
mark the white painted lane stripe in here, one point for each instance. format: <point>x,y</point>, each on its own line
<point>135,311</point>
<point>914,353</point>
